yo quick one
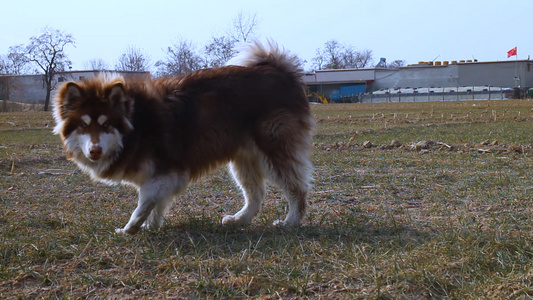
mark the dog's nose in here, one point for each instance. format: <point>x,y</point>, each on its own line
<point>95,151</point>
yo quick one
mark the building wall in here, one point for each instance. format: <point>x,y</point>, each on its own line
<point>416,77</point>
<point>31,88</point>
<point>496,74</point>
<point>27,89</point>
<point>340,76</point>
<point>362,75</point>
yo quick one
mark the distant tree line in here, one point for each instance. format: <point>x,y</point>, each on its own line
<point>46,54</point>
<point>184,57</point>
<point>335,55</point>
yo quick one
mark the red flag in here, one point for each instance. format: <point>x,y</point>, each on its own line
<point>511,52</point>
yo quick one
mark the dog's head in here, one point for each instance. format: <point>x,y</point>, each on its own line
<point>92,118</point>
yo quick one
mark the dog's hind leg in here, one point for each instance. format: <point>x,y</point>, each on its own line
<point>247,170</point>
<point>288,153</point>
<point>155,197</point>
<point>294,179</point>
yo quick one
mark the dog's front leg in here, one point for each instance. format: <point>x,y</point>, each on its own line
<point>139,215</point>
<point>154,200</point>
<point>151,194</point>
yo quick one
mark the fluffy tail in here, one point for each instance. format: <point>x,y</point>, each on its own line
<point>255,54</point>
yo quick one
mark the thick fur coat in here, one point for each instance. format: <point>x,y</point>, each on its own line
<point>159,135</point>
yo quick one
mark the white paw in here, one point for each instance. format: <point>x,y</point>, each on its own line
<point>236,219</point>
<point>126,230</point>
<point>120,231</point>
<point>150,227</point>
<point>286,223</point>
<point>229,220</point>
<point>279,223</point>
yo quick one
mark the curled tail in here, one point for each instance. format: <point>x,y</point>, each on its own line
<point>256,54</point>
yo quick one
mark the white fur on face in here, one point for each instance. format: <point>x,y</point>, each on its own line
<point>86,119</point>
<point>102,119</point>
<point>110,141</point>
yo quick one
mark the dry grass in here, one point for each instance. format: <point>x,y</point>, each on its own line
<point>12,106</point>
<point>446,218</point>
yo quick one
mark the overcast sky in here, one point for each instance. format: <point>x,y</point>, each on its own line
<point>419,30</point>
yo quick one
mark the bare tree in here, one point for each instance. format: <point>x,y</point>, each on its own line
<point>182,58</point>
<point>334,55</point>
<point>319,61</point>
<point>395,64</point>
<point>329,56</point>
<point>244,27</point>
<point>364,58</point>
<point>218,51</point>
<point>15,62</point>
<point>47,51</point>
<point>348,58</point>
<point>96,64</point>
<point>133,59</point>
<point>333,51</point>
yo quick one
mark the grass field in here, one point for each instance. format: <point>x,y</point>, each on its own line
<point>410,201</point>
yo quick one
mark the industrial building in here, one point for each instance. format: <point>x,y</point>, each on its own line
<point>425,81</point>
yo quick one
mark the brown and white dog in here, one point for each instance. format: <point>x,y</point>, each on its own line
<point>162,134</point>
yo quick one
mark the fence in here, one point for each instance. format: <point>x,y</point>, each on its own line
<point>438,94</point>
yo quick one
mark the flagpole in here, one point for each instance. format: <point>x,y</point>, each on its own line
<point>516,68</point>
<point>516,78</point>
<point>516,63</point>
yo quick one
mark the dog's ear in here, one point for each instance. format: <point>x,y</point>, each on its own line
<point>73,92</point>
<point>116,94</point>
<point>69,97</point>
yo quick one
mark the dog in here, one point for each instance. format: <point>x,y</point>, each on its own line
<point>162,134</point>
